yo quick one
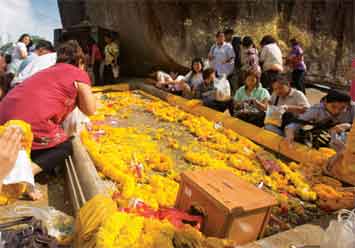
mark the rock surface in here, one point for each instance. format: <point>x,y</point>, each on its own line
<point>169,33</point>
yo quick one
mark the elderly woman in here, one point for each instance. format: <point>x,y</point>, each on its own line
<point>44,101</point>
<point>251,100</point>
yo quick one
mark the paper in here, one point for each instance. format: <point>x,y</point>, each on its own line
<point>22,171</point>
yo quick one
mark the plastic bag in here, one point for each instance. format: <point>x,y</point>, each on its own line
<point>75,122</point>
<point>273,115</point>
<point>58,224</point>
<point>223,90</point>
<point>22,171</point>
<point>341,232</point>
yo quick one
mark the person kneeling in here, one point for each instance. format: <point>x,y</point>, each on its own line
<point>325,124</point>
<point>215,93</point>
<point>285,105</point>
<point>250,101</point>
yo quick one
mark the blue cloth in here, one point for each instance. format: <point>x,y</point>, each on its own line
<point>27,61</point>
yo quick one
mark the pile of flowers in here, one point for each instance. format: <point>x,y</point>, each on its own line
<point>133,159</point>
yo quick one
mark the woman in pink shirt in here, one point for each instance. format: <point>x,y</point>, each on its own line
<point>44,101</point>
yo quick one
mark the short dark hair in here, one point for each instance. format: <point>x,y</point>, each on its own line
<point>70,52</point>
<point>207,73</point>
<point>247,41</point>
<point>5,80</point>
<point>196,60</point>
<point>266,40</point>
<point>219,33</point>
<point>228,31</point>
<point>337,96</point>
<point>294,42</point>
<point>23,36</point>
<point>280,78</point>
<point>44,44</point>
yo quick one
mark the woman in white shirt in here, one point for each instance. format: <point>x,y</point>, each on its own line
<point>270,59</point>
<point>19,53</point>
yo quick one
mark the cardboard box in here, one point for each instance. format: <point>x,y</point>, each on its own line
<point>233,208</point>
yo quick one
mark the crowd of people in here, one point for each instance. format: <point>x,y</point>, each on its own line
<point>260,85</point>
<point>43,86</point>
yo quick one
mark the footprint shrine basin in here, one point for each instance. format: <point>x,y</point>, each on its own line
<point>142,144</point>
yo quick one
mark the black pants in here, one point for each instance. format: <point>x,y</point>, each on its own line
<point>217,105</point>
<point>49,159</point>
<point>298,80</point>
<point>96,72</point>
<point>266,79</point>
<point>108,77</point>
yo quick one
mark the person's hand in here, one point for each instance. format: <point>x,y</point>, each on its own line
<point>210,57</point>
<point>340,128</point>
<point>10,143</point>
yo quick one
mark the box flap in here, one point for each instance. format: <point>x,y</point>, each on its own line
<point>229,191</point>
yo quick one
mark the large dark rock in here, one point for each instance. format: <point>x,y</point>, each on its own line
<point>171,32</point>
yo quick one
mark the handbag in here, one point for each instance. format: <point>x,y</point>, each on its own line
<point>26,232</point>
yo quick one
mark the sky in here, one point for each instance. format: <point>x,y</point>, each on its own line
<point>36,17</point>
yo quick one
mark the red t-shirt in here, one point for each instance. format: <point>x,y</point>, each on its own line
<point>44,100</point>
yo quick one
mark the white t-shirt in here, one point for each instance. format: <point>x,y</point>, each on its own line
<point>38,64</point>
<point>220,54</point>
<point>16,59</point>
<point>271,55</point>
<point>193,80</point>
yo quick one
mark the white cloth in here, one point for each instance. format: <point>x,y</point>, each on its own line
<point>16,59</point>
<point>22,171</point>
<point>75,122</point>
<point>193,80</point>
<point>221,54</point>
<point>271,55</point>
<point>38,64</point>
<point>163,77</point>
<point>223,89</point>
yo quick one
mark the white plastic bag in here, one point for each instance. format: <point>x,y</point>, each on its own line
<point>273,115</point>
<point>223,90</point>
<point>75,122</point>
<point>22,171</point>
<point>341,232</point>
<point>58,224</point>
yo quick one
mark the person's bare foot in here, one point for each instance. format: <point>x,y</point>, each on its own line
<point>32,193</point>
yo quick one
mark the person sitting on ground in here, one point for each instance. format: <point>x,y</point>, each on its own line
<point>249,57</point>
<point>250,101</point>
<point>210,94</point>
<point>10,143</point>
<point>46,57</point>
<point>170,82</point>
<point>221,56</point>
<point>42,47</point>
<point>327,121</point>
<point>270,59</point>
<point>19,53</point>
<point>51,94</point>
<point>295,60</point>
<point>192,79</point>
<point>286,101</point>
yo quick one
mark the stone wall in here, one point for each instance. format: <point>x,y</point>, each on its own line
<point>170,33</point>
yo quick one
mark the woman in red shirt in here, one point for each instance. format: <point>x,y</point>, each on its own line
<point>45,99</point>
